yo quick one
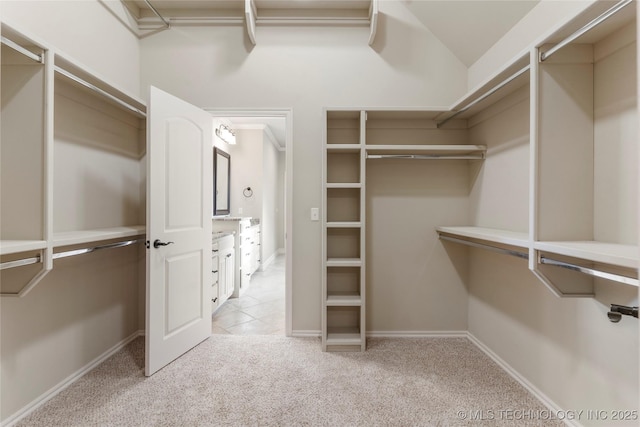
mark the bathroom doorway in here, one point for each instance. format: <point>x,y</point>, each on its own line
<point>261,187</point>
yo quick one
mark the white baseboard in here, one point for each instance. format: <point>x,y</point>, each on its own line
<point>303,333</point>
<point>543,398</point>
<point>268,262</point>
<point>417,334</point>
<point>53,391</point>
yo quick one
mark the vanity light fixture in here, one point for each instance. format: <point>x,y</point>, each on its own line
<point>226,134</point>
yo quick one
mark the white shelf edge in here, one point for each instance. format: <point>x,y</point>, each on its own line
<point>16,246</point>
<point>344,262</point>
<point>606,253</point>
<point>343,185</point>
<point>428,148</point>
<point>344,224</point>
<point>506,237</point>
<point>85,236</point>
<point>344,300</point>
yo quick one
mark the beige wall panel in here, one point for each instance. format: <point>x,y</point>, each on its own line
<point>22,151</point>
<point>616,147</point>
<point>269,218</point>
<point>246,171</point>
<point>500,190</point>
<point>412,282</point>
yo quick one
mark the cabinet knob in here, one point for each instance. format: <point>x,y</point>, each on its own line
<point>214,299</point>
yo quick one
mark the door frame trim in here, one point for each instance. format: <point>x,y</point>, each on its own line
<point>287,114</point>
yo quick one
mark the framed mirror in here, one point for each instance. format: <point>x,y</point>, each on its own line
<point>221,181</point>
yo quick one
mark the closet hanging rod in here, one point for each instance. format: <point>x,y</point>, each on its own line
<point>590,25</point>
<point>486,95</point>
<point>96,248</point>
<point>426,156</point>
<point>589,271</point>
<point>487,247</point>
<point>15,46</point>
<point>154,10</point>
<point>100,91</point>
<point>21,262</point>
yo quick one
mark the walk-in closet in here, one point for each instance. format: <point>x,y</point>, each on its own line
<point>460,185</point>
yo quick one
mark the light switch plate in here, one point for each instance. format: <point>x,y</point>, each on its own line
<point>315,214</point>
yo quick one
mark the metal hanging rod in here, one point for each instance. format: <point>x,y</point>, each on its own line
<point>486,95</point>
<point>38,258</point>
<point>20,262</point>
<point>96,248</point>
<point>102,92</point>
<point>15,46</point>
<point>590,25</point>
<point>511,252</point>
<point>589,271</point>
<point>426,156</point>
<point>154,10</point>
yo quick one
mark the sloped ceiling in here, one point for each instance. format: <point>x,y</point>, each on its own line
<point>469,27</point>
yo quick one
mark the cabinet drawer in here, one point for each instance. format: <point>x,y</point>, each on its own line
<point>215,299</point>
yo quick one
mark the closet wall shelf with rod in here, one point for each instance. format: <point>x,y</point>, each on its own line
<point>504,237</point>
<point>344,262</point>
<point>504,82</point>
<point>588,270</point>
<point>85,236</point>
<point>91,81</point>
<point>444,152</point>
<point>618,255</point>
<point>64,254</point>
<point>24,51</point>
<point>17,246</point>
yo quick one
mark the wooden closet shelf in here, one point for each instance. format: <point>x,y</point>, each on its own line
<point>505,237</point>
<point>344,299</point>
<point>85,236</point>
<point>16,246</point>
<point>440,150</point>
<point>606,253</point>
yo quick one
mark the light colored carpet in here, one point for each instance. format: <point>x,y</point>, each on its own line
<point>278,381</point>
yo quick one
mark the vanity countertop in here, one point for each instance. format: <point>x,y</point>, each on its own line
<point>220,234</point>
<point>231,218</point>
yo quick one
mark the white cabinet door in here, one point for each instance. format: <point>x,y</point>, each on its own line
<point>179,200</point>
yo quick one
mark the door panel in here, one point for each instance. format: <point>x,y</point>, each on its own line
<point>179,200</point>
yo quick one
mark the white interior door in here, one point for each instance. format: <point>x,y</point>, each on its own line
<point>179,200</point>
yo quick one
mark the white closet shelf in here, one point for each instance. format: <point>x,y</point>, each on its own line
<point>344,185</point>
<point>440,150</point>
<point>92,80</point>
<point>343,336</point>
<point>343,148</point>
<point>344,262</point>
<point>344,224</point>
<point>348,299</point>
<point>16,246</point>
<point>606,253</point>
<point>85,236</point>
<point>505,237</point>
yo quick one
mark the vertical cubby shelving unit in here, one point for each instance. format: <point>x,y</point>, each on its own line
<point>343,266</point>
<point>353,139</point>
<point>73,149</point>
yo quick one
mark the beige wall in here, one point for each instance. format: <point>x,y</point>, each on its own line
<point>306,69</point>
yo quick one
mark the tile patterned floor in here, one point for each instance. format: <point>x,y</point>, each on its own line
<point>260,309</point>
